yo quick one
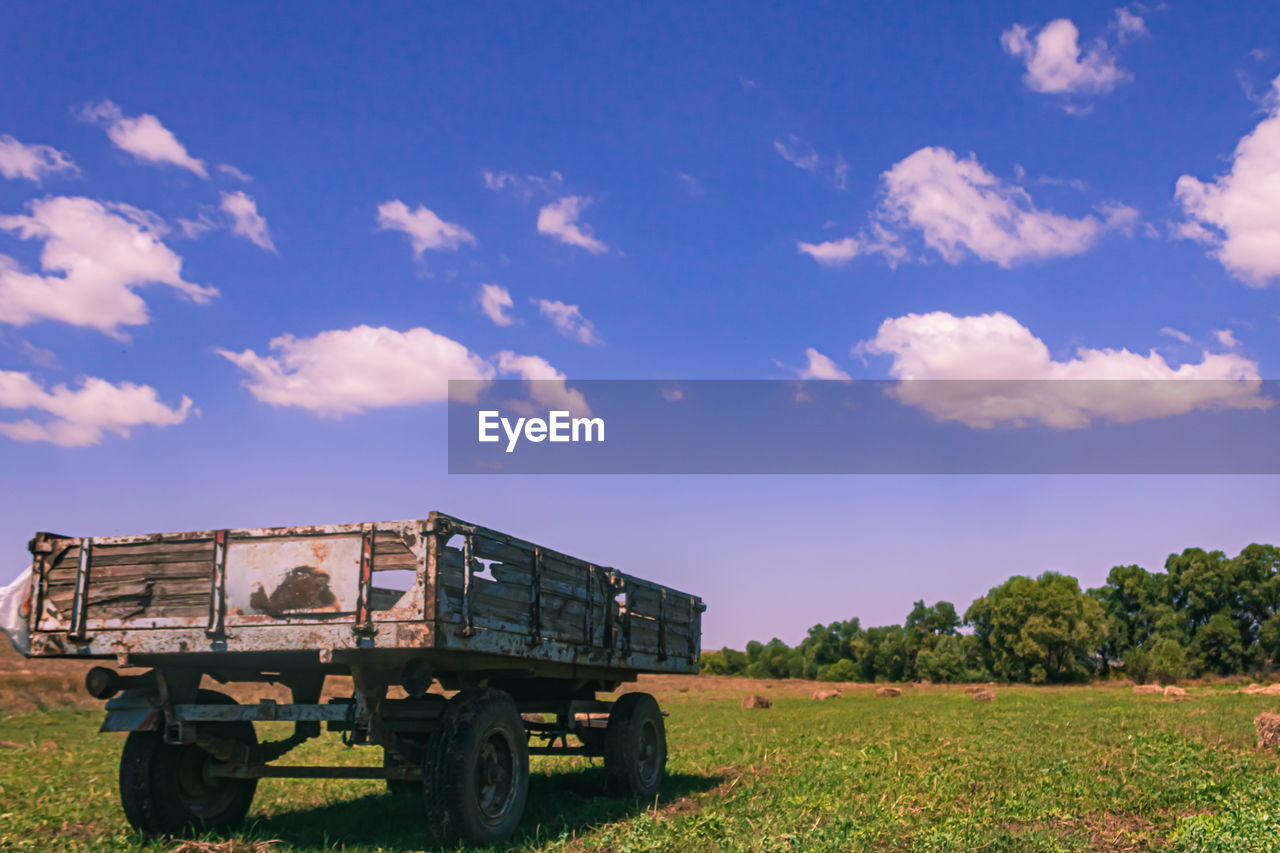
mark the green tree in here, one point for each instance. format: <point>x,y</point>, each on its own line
<point>1218,645</point>
<point>1168,661</point>
<point>1044,627</point>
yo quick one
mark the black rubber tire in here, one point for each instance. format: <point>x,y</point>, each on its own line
<point>162,788</point>
<point>476,770</point>
<point>635,747</point>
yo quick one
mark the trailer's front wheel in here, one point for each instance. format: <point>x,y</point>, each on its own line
<point>635,746</point>
<point>477,769</point>
<point>164,788</point>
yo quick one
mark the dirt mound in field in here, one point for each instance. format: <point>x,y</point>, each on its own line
<point>1148,688</point>
<point>751,702</point>
<point>1268,730</point>
<point>985,695</point>
<point>888,691</point>
<point>1172,692</point>
<point>819,695</point>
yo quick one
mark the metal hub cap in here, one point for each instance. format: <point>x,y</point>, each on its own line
<point>648,764</point>
<point>495,776</point>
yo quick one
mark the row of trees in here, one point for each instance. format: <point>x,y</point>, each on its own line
<point>1205,612</point>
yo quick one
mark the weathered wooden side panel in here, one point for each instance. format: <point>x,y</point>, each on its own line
<point>454,586</point>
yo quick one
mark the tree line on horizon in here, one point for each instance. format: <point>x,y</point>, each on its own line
<point>1205,613</point>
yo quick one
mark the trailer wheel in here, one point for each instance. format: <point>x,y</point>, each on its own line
<point>476,769</point>
<point>163,787</point>
<point>635,746</point>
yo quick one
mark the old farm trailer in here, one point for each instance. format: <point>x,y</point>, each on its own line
<point>527,636</point>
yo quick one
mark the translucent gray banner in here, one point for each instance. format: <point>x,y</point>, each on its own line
<point>864,427</point>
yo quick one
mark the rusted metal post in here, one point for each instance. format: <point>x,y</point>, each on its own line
<point>218,587</point>
<point>468,568</point>
<point>364,615</point>
<point>535,599</point>
<point>662,624</point>
<point>80,604</point>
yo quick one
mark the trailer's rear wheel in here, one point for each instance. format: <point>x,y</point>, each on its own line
<point>165,791</point>
<point>635,746</point>
<point>477,769</point>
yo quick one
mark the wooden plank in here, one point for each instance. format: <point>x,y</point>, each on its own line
<point>490,549</point>
<point>158,550</point>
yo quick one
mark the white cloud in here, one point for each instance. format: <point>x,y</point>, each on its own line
<point>560,220</point>
<point>232,171</point>
<point>1226,338</point>
<point>1238,213</point>
<point>425,229</point>
<point>546,384</point>
<point>344,371</point>
<point>569,321</point>
<point>997,347</point>
<point>246,222</point>
<point>877,240</point>
<point>802,155</point>
<point>79,417</point>
<point>142,136</point>
<point>495,302</point>
<point>797,152</point>
<point>94,255</point>
<point>1176,334</point>
<point>33,161</point>
<point>1055,62</point>
<point>692,185</point>
<point>820,367</point>
<point>525,187</point>
<point>1129,25</point>
<point>959,206</point>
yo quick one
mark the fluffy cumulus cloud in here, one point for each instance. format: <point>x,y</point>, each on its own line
<point>1238,213</point>
<point>546,384</point>
<point>560,220</point>
<point>345,371</point>
<point>496,303</point>
<point>959,209</point>
<point>425,229</point>
<point>143,136</point>
<point>78,417</point>
<point>820,367</point>
<point>569,321</point>
<point>246,222</point>
<point>33,162</point>
<point>95,256</point>
<point>1057,64</point>
<point>941,346</point>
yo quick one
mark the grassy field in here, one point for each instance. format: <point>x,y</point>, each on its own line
<point>1071,768</point>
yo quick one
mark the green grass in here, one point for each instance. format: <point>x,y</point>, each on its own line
<point>1081,768</point>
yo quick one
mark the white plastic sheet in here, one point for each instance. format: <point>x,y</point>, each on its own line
<point>13,611</point>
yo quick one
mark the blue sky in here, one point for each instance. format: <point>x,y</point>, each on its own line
<point>661,192</point>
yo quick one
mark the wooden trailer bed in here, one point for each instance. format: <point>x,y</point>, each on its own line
<point>337,588</point>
